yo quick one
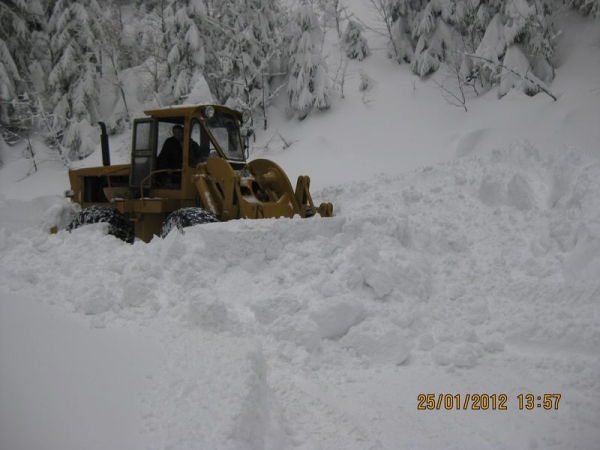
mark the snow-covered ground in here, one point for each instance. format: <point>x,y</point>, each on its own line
<point>464,258</point>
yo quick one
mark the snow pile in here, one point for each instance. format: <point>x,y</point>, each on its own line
<point>444,272</point>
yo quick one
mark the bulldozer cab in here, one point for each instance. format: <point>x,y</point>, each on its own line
<point>143,152</point>
<point>225,131</point>
<point>156,154</point>
<point>206,133</point>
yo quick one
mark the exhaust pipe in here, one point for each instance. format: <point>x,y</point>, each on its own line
<point>104,144</point>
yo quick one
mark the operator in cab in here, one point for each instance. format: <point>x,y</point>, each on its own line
<point>171,155</point>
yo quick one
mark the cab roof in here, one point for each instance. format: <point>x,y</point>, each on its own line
<point>185,110</point>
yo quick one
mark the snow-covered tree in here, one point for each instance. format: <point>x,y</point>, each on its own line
<point>186,56</point>
<point>366,82</point>
<point>9,76</point>
<point>444,30</point>
<point>234,47</point>
<point>470,19</point>
<point>434,36</point>
<point>519,41</point>
<point>332,14</point>
<point>250,55</point>
<point>116,54</point>
<point>173,48</point>
<point>428,33</point>
<point>398,16</point>
<point>308,83</point>
<point>587,7</point>
<point>75,30</point>
<point>18,20</point>
<point>353,42</point>
<point>157,16</point>
<point>253,55</point>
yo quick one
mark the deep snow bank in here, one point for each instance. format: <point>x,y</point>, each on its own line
<point>484,260</point>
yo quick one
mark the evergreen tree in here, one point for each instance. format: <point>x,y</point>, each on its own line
<point>332,14</point>
<point>72,82</point>
<point>187,54</point>
<point>116,53</point>
<point>444,30</point>
<point>469,21</point>
<point>18,22</point>
<point>587,7</point>
<point>308,83</point>
<point>157,17</point>
<point>427,33</point>
<point>353,42</point>
<point>519,41</point>
<point>9,78</point>
<point>399,16</point>
<point>173,48</point>
<point>431,28</point>
<point>248,44</point>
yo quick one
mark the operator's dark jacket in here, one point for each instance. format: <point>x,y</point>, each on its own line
<point>171,155</point>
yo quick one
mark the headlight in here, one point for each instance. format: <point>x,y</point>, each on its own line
<point>246,115</point>
<point>209,112</point>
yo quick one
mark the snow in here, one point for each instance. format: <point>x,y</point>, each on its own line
<point>56,393</point>
<point>463,258</point>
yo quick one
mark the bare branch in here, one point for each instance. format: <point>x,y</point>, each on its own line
<point>286,143</point>
<point>528,76</point>
<point>451,97</point>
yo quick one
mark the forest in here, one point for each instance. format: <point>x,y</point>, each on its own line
<point>57,58</point>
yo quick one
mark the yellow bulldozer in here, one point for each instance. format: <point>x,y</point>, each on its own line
<point>202,177</point>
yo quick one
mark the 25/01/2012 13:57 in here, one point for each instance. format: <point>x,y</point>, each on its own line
<point>479,402</point>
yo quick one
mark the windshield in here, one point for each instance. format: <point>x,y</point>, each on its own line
<point>226,132</point>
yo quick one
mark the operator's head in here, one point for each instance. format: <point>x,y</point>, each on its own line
<point>178,132</point>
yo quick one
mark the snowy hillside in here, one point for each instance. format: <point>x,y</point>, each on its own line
<point>463,259</point>
<point>476,276</point>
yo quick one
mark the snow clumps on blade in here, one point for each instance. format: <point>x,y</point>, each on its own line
<point>59,215</point>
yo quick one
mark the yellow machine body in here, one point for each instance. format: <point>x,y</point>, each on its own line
<point>224,183</point>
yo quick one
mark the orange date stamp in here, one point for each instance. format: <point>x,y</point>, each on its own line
<point>485,402</point>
